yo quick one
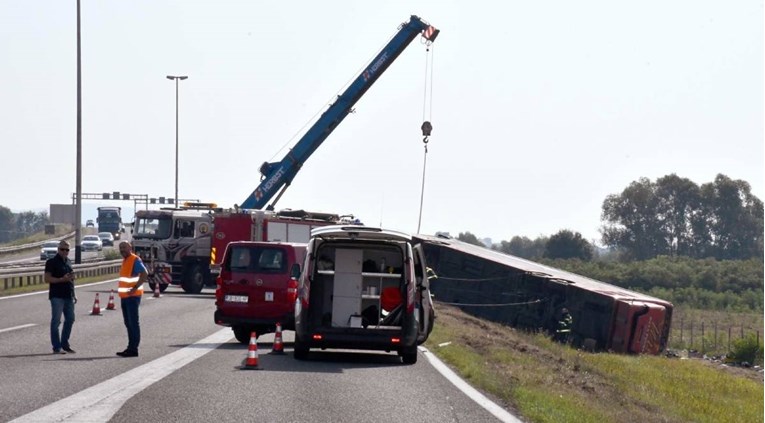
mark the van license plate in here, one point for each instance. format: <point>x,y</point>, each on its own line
<point>235,298</point>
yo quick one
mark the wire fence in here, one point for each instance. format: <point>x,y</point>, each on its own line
<point>709,338</point>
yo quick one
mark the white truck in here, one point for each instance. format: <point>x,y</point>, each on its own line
<point>174,244</point>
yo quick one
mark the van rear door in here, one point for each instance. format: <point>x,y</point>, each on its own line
<point>426,313</point>
<point>260,274</point>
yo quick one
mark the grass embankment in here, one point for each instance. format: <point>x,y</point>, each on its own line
<point>60,230</point>
<point>548,382</point>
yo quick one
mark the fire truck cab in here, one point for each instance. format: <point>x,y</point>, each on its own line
<point>174,244</point>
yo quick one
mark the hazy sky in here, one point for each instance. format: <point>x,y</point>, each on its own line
<point>540,109</point>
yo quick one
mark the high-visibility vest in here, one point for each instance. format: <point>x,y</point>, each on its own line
<point>564,325</point>
<point>127,281</point>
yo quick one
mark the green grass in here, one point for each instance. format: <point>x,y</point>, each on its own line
<point>60,230</point>
<point>548,382</point>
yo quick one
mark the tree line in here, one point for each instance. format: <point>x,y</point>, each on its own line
<point>15,226</point>
<point>672,217</point>
<point>700,246</point>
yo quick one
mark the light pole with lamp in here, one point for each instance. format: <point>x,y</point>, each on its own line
<point>176,78</point>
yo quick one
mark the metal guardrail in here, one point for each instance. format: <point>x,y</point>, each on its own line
<point>19,248</point>
<point>35,277</point>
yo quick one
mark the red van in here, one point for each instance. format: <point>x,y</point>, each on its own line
<point>257,287</point>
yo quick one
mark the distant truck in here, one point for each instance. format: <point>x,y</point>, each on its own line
<point>110,220</point>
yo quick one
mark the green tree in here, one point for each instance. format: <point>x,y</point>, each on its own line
<point>734,217</point>
<point>678,200</point>
<point>633,222</point>
<point>470,239</point>
<point>523,247</point>
<point>568,244</point>
<point>6,224</point>
<point>675,217</point>
<point>29,222</point>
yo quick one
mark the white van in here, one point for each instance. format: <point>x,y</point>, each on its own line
<point>363,288</point>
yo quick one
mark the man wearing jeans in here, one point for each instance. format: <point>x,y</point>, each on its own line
<point>132,276</point>
<point>60,278</point>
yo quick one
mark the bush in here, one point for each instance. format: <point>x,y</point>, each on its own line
<point>746,349</point>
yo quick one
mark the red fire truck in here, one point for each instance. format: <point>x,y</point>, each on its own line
<point>265,225</point>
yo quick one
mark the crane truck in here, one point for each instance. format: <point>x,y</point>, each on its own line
<point>277,176</point>
<point>192,261</point>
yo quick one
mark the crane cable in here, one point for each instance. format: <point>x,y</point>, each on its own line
<point>427,115</point>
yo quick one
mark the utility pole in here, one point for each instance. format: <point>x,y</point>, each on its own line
<point>176,78</point>
<point>78,206</point>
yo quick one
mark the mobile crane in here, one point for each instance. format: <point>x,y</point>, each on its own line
<point>277,176</point>
<point>192,258</point>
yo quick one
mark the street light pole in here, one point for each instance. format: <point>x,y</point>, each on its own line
<point>78,205</point>
<point>176,78</point>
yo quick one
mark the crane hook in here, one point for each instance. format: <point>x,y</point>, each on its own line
<point>427,128</point>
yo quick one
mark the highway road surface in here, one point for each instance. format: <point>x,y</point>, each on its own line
<point>189,370</point>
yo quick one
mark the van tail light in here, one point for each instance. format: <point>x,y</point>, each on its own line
<point>395,340</point>
<point>292,290</point>
<point>219,290</point>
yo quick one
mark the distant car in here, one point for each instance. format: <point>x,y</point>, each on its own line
<point>107,239</point>
<point>91,243</point>
<point>90,224</point>
<point>49,250</point>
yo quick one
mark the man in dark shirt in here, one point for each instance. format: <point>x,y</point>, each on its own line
<point>60,278</point>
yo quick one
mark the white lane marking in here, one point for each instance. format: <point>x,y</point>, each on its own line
<point>471,392</point>
<point>28,325</point>
<point>100,402</point>
<point>45,291</point>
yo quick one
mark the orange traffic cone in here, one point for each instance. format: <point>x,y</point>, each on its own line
<point>96,307</point>
<point>252,354</point>
<point>278,348</point>
<point>110,305</point>
<point>156,289</point>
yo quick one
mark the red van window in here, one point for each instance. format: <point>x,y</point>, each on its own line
<point>247,259</point>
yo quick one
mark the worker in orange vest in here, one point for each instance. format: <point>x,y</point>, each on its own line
<point>132,276</point>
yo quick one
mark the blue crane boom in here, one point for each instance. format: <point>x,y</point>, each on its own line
<point>278,175</point>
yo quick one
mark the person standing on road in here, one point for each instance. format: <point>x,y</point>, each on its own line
<point>59,276</point>
<point>132,276</point>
